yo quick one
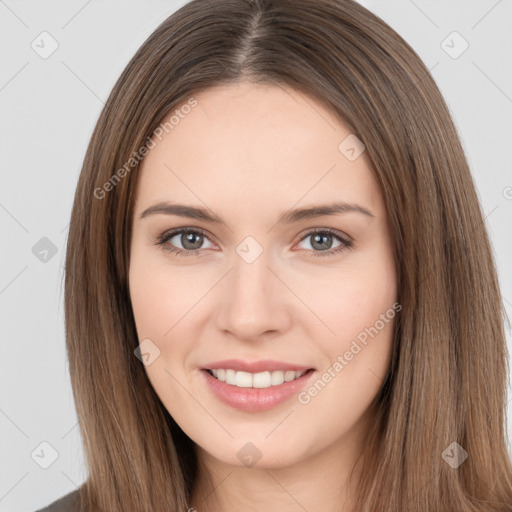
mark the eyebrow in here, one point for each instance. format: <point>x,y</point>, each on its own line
<point>288,217</point>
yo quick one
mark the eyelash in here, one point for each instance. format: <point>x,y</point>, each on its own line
<point>165,237</point>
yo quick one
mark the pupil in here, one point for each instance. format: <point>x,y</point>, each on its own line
<point>321,238</point>
<point>189,238</point>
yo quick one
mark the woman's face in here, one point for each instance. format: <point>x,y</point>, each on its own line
<point>288,300</point>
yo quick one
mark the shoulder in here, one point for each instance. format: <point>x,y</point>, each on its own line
<point>68,503</point>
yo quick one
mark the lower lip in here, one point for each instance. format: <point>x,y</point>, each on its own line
<point>255,399</point>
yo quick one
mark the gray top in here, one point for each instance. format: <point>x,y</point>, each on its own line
<point>68,503</point>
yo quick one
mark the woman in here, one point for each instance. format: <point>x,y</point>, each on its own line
<point>280,293</point>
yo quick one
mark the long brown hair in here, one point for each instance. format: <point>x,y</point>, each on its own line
<point>447,379</point>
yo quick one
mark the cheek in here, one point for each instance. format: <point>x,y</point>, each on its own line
<point>356,358</point>
<point>352,299</point>
<point>160,301</point>
<point>167,302</point>
<point>359,307</point>
<point>162,294</point>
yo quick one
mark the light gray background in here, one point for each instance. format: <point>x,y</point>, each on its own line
<point>48,111</point>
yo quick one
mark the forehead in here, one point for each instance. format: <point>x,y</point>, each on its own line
<point>249,142</point>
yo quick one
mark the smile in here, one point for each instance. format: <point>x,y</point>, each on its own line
<point>257,386</point>
<point>265,379</point>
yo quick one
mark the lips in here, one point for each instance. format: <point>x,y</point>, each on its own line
<point>255,386</point>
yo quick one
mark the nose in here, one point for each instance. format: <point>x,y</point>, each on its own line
<point>253,302</point>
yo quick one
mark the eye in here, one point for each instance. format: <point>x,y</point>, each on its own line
<point>322,241</point>
<point>191,241</point>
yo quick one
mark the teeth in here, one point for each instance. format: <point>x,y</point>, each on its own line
<point>243,380</point>
<point>277,378</point>
<point>288,376</point>
<point>255,380</point>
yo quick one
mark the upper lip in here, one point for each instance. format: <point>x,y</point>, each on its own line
<point>255,366</point>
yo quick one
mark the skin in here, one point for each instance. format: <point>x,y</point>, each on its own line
<point>250,152</point>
